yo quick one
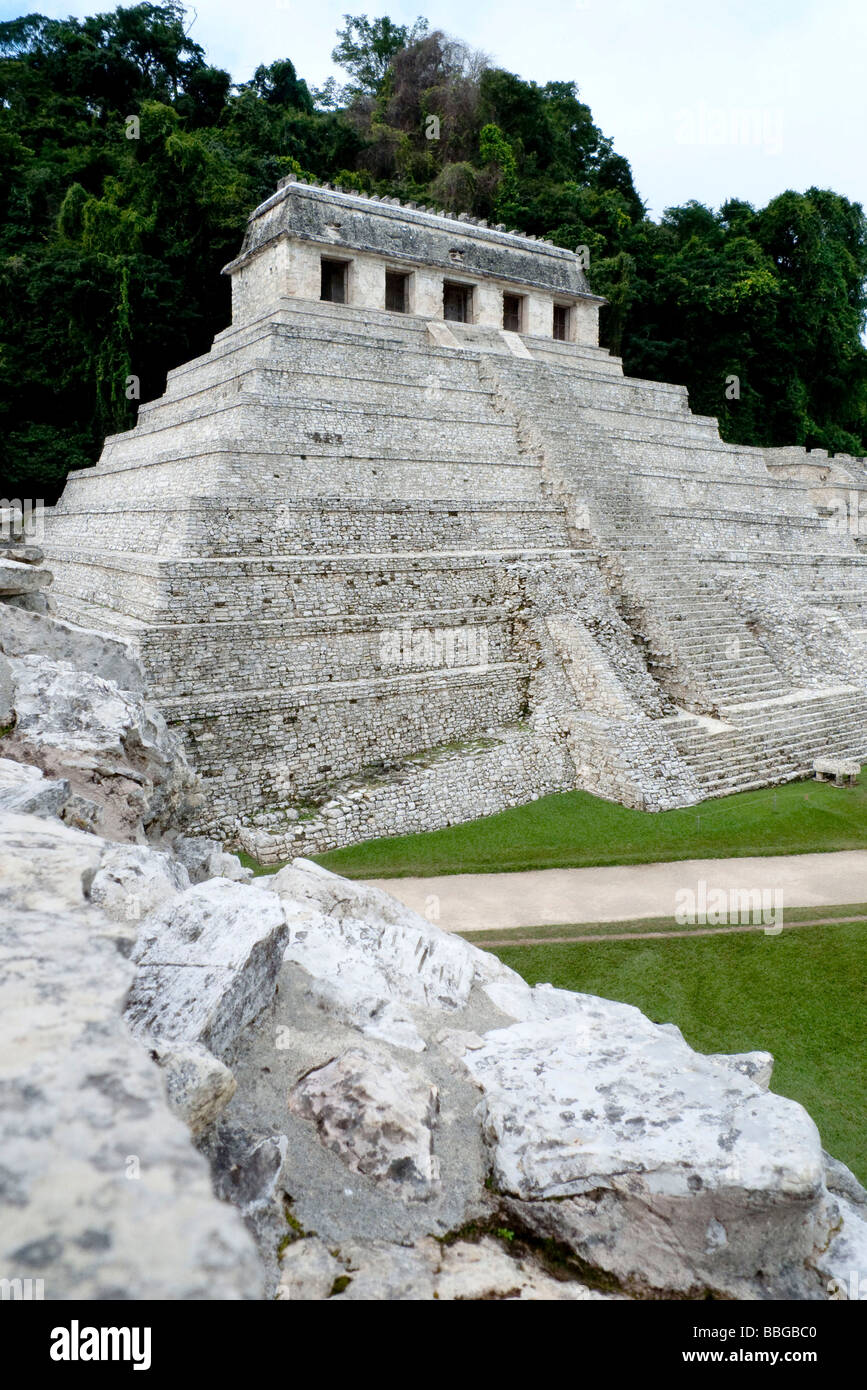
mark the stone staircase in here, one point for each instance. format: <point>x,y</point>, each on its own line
<point>663,499</point>
<point>704,653</point>
<point>771,740</point>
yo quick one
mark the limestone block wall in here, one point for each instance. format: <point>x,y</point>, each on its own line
<point>330,526</point>
<point>293,270</point>
<point>277,752</point>
<point>836,487</point>
<point>508,769</point>
<point>267,278</point>
<point>816,643</point>
<point>590,690</point>
<point>214,591</point>
<point>148,473</point>
<point>138,527</point>
<point>219,527</point>
<point>311,470</point>
<point>631,761</point>
<point>586,324</point>
<point>366,276</point>
<point>680,480</point>
<point>311,426</point>
<point>673,481</point>
<point>127,591</point>
<point>283,653</point>
<point>426,294</point>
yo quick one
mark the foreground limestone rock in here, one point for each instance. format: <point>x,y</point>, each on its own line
<point>678,1174</point>
<point>23,633</point>
<point>18,577</point>
<point>379,1119</point>
<point>204,859</point>
<point>376,1271</point>
<point>103,1195</point>
<point>48,865</point>
<point>484,1270</point>
<point>249,1170</point>
<point>207,964</point>
<point>366,956</point>
<point>666,1172</point>
<point>7,709</point>
<point>198,1085</point>
<point>132,881</point>
<point>19,549</point>
<point>127,771</point>
<point>492,1115</point>
<point>309,1272</point>
<point>758,1066</point>
<point>26,791</point>
<point>45,865</point>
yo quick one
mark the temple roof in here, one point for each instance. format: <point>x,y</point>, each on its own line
<point>408,233</point>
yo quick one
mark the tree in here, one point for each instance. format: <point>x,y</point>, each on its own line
<point>775,297</point>
<point>279,85</point>
<point>366,48</point>
<point>495,149</point>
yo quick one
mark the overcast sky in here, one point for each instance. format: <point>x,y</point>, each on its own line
<point>707,99</point>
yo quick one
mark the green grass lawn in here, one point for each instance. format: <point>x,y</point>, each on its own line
<point>575,829</point>
<point>801,995</point>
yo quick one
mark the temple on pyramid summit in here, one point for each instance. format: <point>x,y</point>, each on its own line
<point>406,548</point>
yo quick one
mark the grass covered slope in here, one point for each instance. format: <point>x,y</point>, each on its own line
<point>576,830</point>
<point>801,995</point>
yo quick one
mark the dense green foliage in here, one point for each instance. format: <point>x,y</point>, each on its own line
<point>128,166</point>
<point>576,830</point>
<point>775,297</point>
<point>800,995</point>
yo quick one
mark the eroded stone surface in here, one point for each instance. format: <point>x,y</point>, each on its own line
<point>758,1066</point>
<point>206,964</point>
<point>308,1272</point>
<point>204,859</point>
<point>248,1167</point>
<point>45,865</point>
<point>49,865</point>
<point>104,1196</point>
<point>133,880</point>
<point>23,633</point>
<point>7,706</point>
<point>368,956</point>
<point>382,1271</point>
<point>485,1270</point>
<point>843,1266</point>
<point>666,1172</point>
<point>666,1157</point>
<point>17,577</point>
<point>113,747</point>
<point>25,790</point>
<point>376,1116</point>
<point>198,1085</point>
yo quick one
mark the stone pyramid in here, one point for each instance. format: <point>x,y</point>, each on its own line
<point>391,568</point>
